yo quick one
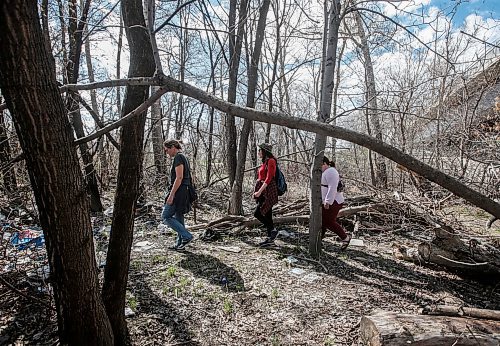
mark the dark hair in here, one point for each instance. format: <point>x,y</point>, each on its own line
<point>328,162</point>
<point>172,143</point>
<point>266,155</point>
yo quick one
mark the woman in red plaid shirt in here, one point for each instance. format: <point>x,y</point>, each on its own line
<point>266,192</point>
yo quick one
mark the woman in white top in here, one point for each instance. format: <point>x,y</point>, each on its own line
<point>333,200</point>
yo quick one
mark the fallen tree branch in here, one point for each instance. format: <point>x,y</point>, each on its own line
<point>233,221</point>
<point>448,182</point>
<point>460,311</point>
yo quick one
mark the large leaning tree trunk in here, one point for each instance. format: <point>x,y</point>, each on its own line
<point>448,182</point>
<point>235,204</point>
<point>28,82</point>
<point>325,111</point>
<point>129,170</point>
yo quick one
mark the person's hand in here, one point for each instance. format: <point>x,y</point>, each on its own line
<point>257,194</point>
<point>170,200</point>
<point>326,206</point>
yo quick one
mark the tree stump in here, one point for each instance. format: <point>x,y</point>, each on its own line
<point>393,329</point>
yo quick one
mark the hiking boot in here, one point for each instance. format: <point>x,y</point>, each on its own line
<point>267,242</point>
<point>183,244</point>
<point>176,244</point>
<point>345,242</point>
<point>273,234</point>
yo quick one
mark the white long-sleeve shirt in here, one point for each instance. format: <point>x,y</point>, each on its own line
<point>329,182</point>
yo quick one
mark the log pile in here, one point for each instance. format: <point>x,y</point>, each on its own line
<point>293,213</point>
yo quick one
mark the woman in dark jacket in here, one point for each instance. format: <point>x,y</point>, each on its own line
<point>177,200</point>
<point>266,192</point>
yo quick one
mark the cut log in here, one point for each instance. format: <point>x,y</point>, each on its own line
<point>392,329</point>
<point>459,311</point>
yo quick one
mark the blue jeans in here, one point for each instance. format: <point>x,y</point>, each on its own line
<point>175,221</point>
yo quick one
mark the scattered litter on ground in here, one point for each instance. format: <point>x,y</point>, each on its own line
<point>297,271</point>
<point>129,312</point>
<point>311,277</point>
<point>357,243</point>
<point>233,249</point>
<point>291,260</point>
<point>286,234</point>
<point>143,246</point>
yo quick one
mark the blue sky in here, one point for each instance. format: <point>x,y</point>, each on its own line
<point>484,8</point>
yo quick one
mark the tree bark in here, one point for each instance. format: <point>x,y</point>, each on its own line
<point>73,69</point>
<point>28,81</point>
<point>129,171</point>
<point>157,138</point>
<point>393,329</point>
<point>325,110</point>
<point>235,43</point>
<point>9,175</point>
<point>235,203</point>
<point>371,102</point>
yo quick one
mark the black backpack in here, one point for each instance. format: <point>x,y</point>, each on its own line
<point>280,180</point>
<point>340,186</point>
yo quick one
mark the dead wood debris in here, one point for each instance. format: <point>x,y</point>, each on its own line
<point>229,291</point>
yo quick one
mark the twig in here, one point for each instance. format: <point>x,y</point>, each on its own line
<point>10,286</point>
<point>312,261</point>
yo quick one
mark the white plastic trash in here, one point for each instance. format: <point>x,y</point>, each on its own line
<point>357,242</point>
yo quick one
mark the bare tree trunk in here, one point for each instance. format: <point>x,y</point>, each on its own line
<point>157,137</point>
<point>62,15</point>
<point>179,115</point>
<point>371,101</point>
<point>118,64</point>
<point>51,157</point>
<point>235,204</point>
<point>45,24</point>
<point>211,119</point>
<point>235,43</point>
<point>335,97</point>
<point>73,68</point>
<point>325,110</point>
<point>9,175</point>
<point>129,171</point>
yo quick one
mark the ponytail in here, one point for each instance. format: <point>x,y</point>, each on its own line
<point>328,162</point>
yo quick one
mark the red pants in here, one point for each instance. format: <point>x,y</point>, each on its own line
<point>329,217</point>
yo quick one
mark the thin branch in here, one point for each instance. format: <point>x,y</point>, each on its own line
<point>477,38</point>
<point>173,14</point>
<point>400,26</point>
<point>152,37</point>
<point>143,107</point>
<point>138,81</point>
<point>97,120</point>
<point>14,289</point>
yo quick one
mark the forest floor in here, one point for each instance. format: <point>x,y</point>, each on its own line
<point>231,292</point>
